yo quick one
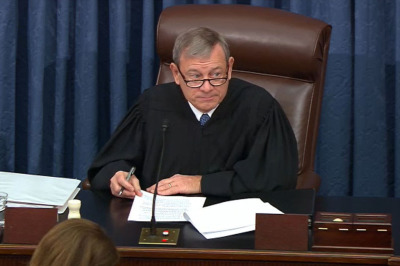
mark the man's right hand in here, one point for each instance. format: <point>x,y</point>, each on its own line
<point>131,187</point>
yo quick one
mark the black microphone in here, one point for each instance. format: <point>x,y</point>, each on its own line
<point>154,235</point>
<point>164,127</point>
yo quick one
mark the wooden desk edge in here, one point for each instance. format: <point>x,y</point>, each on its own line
<point>253,255</point>
<point>394,260</point>
<point>16,249</point>
<point>222,254</point>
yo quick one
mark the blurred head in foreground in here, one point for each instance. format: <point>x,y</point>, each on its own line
<point>75,242</point>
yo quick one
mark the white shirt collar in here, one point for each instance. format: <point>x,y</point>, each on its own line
<point>198,114</point>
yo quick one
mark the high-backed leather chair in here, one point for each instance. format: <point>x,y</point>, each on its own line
<point>283,52</point>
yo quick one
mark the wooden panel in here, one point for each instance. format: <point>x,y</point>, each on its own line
<point>20,255</point>
<point>394,261</point>
<point>252,257</point>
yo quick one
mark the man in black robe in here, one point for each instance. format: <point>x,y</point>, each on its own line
<point>247,145</point>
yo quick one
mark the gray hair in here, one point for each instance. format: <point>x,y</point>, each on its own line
<point>198,42</point>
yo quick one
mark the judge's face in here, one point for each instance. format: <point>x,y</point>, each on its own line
<point>207,96</point>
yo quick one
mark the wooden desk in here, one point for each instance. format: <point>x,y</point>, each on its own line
<point>193,249</point>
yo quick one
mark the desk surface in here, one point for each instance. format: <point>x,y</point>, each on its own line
<point>111,213</point>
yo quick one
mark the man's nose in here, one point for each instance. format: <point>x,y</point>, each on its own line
<point>206,86</point>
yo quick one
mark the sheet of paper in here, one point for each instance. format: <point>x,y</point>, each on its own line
<point>168,208</point>
<point>26,205</point>
<point>37,189</point>
<point>61,209</point>
<point>228,218</point>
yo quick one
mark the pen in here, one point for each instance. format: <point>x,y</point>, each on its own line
<point>128,177</point>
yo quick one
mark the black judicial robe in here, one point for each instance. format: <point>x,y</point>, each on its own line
<point>248,144</point>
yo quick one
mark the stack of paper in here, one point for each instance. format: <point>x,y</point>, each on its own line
<point>38,191</point>
<point>229,218</point>
<point>219,220</point>
<point>167,208</point>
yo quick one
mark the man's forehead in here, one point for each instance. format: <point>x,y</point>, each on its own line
<point>189,54</point>
<point>198,69</point>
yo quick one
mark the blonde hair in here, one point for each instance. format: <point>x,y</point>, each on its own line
<point>75,242</point>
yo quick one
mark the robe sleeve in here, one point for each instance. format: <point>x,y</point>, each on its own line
<point>122,151</point>
<point>271,163</point>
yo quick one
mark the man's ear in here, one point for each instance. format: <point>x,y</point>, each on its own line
<point>175,72</point>
<point>230,65</point>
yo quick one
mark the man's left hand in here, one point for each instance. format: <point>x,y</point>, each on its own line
<point>178,184</point>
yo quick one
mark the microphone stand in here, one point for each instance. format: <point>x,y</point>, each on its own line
<point>153,208</point>
<point>154,235</point>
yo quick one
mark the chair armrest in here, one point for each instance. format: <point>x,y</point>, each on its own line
<point>86,184</point>
<point>307,180</point>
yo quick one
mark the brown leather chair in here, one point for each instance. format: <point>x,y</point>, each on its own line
<point>283,52</point>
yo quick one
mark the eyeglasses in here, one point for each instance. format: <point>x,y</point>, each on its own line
<point>197,83</point>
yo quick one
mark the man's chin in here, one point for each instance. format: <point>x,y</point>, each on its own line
<point>205,108</point>
<point>206,104</point>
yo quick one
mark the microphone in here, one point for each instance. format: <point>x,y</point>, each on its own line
<point>154,235</point>
<point>164,127</point>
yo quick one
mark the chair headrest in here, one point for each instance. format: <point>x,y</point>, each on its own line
<point>255,35</point>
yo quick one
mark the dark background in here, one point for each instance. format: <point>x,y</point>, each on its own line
<point>69,70</point>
